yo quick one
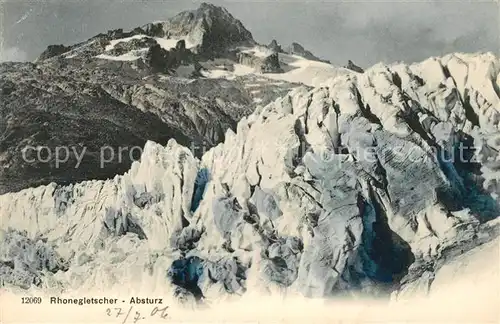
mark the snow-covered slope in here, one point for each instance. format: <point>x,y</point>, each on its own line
<point>296,69</point>
<point>165,43</point>
<point>335,190</point>
<point>308,72</point>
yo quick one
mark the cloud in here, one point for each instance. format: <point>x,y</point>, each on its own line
<point>13,54</point>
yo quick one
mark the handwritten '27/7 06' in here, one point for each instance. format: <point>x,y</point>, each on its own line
<point>156,312</point>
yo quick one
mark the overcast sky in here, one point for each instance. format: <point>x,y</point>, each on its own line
<point>366,32</point>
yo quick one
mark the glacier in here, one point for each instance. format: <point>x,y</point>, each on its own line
<point>342,190</point>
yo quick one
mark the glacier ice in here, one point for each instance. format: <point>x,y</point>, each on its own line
<point>325,191</point>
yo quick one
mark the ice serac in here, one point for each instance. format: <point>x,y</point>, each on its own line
<point>152,200</point>
<point>343,189</point>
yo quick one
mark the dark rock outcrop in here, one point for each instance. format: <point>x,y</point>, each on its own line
<point>297,49</point>
<point>268,64</point>
<point>274,46</point>
<point>157,59</point>
<point>211,28</point>
<point>163,61</point>
<point>53,50</point>
<point>154,30</point>
<point>134,44</point>
<point>50,111</point>
<point>118,33</point>
<point>271,64</point>
<point>351,66</point>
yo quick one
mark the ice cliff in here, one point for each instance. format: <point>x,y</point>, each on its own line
<point>348,188</point>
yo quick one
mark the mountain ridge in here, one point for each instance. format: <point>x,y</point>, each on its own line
<point>146,70</point>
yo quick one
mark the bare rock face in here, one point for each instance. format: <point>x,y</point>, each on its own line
<point>351,66</point>
<point>57,109</point>
<point>267,64</point>
<point>210,28</point>
<point>274,46</point>
<point>154,30</point>
<point>53,50</point>
<point>158,59</point>
<point>163,61</point>
<point>271,64</point>
<point>297,49</point>
<point>134,44</point>
<point>212,31</point>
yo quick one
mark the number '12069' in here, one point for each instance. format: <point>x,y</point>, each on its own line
<point>31,300</point>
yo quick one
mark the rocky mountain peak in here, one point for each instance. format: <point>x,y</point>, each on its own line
<point>297,49</point>
<point>353,67</point>
<point>53,50</point>
<point>212,29</point>
<point>274,46</point>
<point>207,6</point>
<point>294,49</point>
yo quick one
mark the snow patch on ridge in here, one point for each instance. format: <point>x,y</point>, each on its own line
<point>296,69</point>
<point>113,42</point>
<point>125,57</point>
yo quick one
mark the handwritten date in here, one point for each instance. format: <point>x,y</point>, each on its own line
<point>157,312</point>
